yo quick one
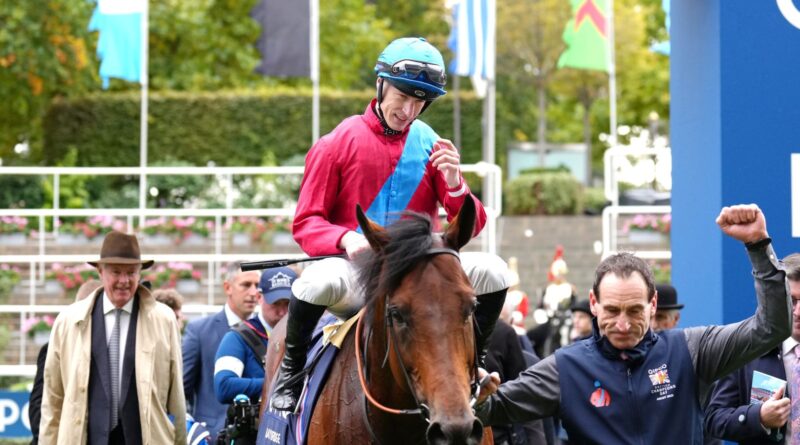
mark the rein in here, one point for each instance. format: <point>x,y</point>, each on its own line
<point>421,409</point>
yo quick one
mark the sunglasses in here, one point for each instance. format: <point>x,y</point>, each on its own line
<point>411,69</point>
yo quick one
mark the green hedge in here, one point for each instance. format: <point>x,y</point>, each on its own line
<point>228,128</point>
<point>546,193</point>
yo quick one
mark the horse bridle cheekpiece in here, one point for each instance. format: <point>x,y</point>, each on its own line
<point>422,409</point>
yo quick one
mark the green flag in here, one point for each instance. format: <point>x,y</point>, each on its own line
<point>585,36</point>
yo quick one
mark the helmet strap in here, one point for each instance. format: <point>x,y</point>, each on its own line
<point>387,130</point>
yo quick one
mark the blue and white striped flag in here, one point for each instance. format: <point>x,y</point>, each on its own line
<point>472,40</point>
<point>119,45</point>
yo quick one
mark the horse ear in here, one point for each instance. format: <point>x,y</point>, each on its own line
<point>375,234</point>
<point>459,232</point>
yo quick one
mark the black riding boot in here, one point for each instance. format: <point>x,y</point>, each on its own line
<point>303,318</point>
<point>486,314</point>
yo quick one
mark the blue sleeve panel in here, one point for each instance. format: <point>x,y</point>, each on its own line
<point>237,370</point>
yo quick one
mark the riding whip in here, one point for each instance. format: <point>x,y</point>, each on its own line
<point>269,264</point>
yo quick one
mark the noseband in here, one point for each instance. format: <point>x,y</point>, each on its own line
<point>421,408</point>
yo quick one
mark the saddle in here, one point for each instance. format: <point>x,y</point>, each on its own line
<point>287,428</point>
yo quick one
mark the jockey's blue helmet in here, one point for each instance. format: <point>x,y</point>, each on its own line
<point>413,66</point>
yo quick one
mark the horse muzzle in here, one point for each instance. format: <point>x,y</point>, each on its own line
<point>463,431</point>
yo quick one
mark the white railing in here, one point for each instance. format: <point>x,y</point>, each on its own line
<point>38,261</point>
<point>611,159</point>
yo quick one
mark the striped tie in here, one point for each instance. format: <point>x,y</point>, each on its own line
<point>113,360</point>
<point>795,394</point>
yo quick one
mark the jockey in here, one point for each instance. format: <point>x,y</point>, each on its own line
<point>388,162</point>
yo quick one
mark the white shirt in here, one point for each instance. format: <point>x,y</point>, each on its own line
<point>789,359</point>
<point>232,317</point>
<point>124,322</point>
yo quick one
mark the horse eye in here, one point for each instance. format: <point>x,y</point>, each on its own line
<point>397,315</point>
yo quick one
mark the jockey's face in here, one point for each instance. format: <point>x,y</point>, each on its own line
<point>622,309</point>
<point>399,109</point>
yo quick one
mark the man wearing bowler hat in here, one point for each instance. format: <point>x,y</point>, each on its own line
<point>668,310</point>
<point>113,369</point>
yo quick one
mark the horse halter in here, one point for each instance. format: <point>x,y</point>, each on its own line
<point>422,409</point>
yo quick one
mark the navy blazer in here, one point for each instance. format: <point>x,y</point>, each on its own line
<point>200,343</point>
<point>99,400</point>
<point>729,414</point>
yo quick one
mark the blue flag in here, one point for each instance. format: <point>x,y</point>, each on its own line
<point>119,45</point>
<point>472,38</point>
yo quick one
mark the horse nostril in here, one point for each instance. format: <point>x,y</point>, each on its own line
<point>477,433</point>
<point>455,433</point>
<point>435,435</point>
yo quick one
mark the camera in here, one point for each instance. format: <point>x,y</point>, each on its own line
<point>241,424</point>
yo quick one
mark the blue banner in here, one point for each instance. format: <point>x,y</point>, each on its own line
<point>14,420</point>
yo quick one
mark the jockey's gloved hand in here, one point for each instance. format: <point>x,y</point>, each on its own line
<point>353,243</point>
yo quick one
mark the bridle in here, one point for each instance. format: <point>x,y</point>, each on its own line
<point>421,409</point>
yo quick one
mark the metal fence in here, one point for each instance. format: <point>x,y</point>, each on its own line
<point>136,218</point>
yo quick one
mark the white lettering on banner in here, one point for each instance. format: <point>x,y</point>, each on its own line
<point>795,181</point>
<point>790,13</point>
<point>9,413</point>
<point>273,436</point>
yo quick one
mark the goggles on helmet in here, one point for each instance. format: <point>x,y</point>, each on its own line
<point>411,69</point>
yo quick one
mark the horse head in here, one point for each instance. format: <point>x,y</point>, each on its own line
<point>419,309</point>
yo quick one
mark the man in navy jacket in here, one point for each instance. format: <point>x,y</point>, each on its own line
<point>629,385</point>
<point>201,340</point>
<point>730,415</point>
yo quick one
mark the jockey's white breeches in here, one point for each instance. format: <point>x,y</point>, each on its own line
<point>332,282</point>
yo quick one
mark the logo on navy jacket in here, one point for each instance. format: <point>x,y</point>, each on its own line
<point>600,397</point>
<point>662,387</point>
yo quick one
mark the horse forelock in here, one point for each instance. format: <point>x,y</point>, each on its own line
<point>380,273</point>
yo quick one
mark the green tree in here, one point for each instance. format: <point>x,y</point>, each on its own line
<point>528,46</point>
<point>203,44</point>
<point>43,54</point>
<point>351,38</point>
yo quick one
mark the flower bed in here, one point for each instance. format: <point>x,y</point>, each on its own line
<point>9,277</point>
<point>259,230</point>
<point>71,277</point>
<point>167,276</point>
<point>38,328</point>
<point>654,223</point>
<point>14,224</point>
<point>178,229</point>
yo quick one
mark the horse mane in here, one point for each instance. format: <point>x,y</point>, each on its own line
<point>381,272</point>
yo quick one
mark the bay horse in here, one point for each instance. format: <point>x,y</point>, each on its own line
<point>415,379</point>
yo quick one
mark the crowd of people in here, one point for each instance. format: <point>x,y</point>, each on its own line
<point>118,368</point>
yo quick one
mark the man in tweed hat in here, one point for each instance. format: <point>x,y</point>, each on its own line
<point>113,369</point>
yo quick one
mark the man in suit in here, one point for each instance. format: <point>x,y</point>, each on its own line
<point>113,368</point>
<point>202,338</point>
<point>731,416</point>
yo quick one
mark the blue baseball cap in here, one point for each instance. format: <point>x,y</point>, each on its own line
<point>276,284</point>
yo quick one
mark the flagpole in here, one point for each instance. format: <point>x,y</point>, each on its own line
<point>314,40</point>
<point>143,79</point>
<point>456,111</point>
<point>491,60</point>
<point>612,76</point>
